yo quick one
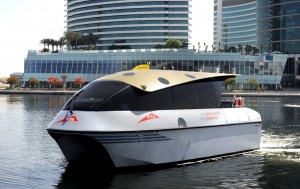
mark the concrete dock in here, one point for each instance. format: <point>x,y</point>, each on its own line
<point>36,91</point>
<point>264,94</point>
<point>225,94</point>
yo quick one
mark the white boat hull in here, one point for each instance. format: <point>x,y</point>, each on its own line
<point>139,148</point>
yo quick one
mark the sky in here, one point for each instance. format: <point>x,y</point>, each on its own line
<point>24,23</point>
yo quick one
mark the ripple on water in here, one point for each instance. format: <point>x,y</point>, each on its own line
<point>280,147</point>
<point>292,105</point>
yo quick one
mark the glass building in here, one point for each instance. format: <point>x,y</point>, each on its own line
<point>278,26</point>
<point>234,23</point>
<point>134,24</point>
<point>266,69</point>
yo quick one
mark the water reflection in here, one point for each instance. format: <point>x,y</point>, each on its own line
<point>30,158</point>
<point>44,102</point>
<point>85,176</point>
<point>279,174</point>
<point>234,172</point>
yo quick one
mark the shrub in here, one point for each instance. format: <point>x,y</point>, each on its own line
<point>54,81</point>
<point>33,81</point>
<point>12,81</point>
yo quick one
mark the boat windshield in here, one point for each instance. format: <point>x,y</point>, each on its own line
<point>91,97</point>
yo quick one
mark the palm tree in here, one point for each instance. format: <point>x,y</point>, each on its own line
<point>56,44</point>
<point>64,78</point>
<point>48,42</point>
<point>77,37</point>
<point>44,42</point>
<point>231,49</point>
<point>240,48</point>
<point>226,48</point>
<point>91,40</point>
<point>53,43</point>
<point>70,36</point>
<point>61,42</point>
<point>255,50</point>
<point>248,49</point>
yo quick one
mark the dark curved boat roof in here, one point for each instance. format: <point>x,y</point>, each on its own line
<point>153,80</point>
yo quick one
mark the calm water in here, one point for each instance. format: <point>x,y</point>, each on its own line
<point>30,158</point>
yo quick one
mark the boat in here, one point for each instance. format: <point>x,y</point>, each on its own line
<point>154,117</point>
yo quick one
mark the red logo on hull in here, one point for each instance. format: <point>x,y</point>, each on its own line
<point>71,118</point>
<point>149,117</point>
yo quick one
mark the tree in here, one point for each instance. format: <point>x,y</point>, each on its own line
<point>240,48</point>
<point>64,78</point>
<point>230,82</point>
<point>12,81</point>
<point>61,42</point>
<point>205,46</point>
<point>253,83</point>
<point>248,49</point>
<point>54,81</point>
<point>173,43</point>
<point>33,81</point>
<point>255,50</point>
<point>90,41</point>
<point>70,37</point>
<point>113,47</point>
<point>44,42</point>
<point>230,49</point>
<point>159,46</point>
<point>77,37</point>
<point>45,50</point>
<point>226,49</point>
<point>53,43</point>
<point>184,44</point>
<point>78,81</point>
<point>48,42</point>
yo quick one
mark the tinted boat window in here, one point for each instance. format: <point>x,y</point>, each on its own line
<point>126,99</point>
<point>184,96</point>
<point>118,96</point>
<point>158,100</point>
<point>94,94</point>
<point>218,86</point>
<point>134,99</point>
<point>206,94</point>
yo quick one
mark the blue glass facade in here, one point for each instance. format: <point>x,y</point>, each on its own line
<point>130,24</point>
<point>235,23</point>
<point>90,65</point>
<point>278,25</point>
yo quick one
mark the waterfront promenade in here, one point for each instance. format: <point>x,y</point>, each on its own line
<point>263,94</point>
<point>284,93</point>
<point>37,91</point>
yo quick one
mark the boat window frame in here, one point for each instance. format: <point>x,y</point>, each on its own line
<point>128,98</point>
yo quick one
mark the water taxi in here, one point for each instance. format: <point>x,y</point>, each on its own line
<point>154,117</point>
